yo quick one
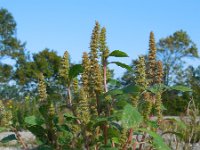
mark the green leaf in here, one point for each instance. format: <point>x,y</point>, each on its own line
<point>122,65</point>
<point>44,147</point>
<point>157,88</point>
<point>113,92</point>
<point>181,88</point>
<point>75,70</point>
<point>100,121</point>
<point>121,103</point>
<point>69,117</point>
<point>118,53</point>
<point>63,128</point>
<point>2,129</point>
<point>8,138</point>
<point>113,133</point>
<point>158,142</point>
<point>39,132</point>
<point>132,89</point>
<point>113,82</point>
<point>32,120</point>
<point>153,124</point>
<point>131,118</point>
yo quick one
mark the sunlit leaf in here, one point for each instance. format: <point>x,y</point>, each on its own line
<point>157,88</point>
<point>33,120</point>
<point>69,117</point>
<point>131,118</point>
<point>75,70</point>
<point>181,88</point>
<point>158,142</point>
<point>132,89</point>
<point>122,65</point>
<point>118,53</point>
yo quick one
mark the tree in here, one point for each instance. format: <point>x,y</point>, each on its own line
<point>46,62</point>
<point>193,80</point>
<point>9,44</point>
<point>172,51</point>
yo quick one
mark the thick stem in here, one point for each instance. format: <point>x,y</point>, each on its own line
<point>142,140</point>
<point>106,90</point>
<point>105,76</point>
<point>105,130</point>
<point>69,100</point>
<point>113,144</point>
<point>20,140</point>
<point>134,145</point>
<point>98,104</point>
<point>130,137</point>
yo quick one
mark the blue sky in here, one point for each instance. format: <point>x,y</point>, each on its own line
<point>67,24</point>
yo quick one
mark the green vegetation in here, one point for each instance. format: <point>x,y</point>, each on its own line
<point>80,106</point>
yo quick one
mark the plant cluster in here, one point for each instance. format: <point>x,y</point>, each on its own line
<point>80,106</point>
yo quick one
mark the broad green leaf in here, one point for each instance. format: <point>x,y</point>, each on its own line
<point>39,132</point>
<point>69,117</point>
<point>158,142</point>
<point>75,70</point>
<point>63,127</point>
<point>157,88</point>
<point>113,82</point>
<point>116,140</point>
<point>153,124</point>
<point>118,53</point>
<point>8,138</point>
<point>132,89</point>
<point>113,132</point>
<point>122,65</point>
<point>32,120</point>
<point>121,103</point>
<point>44,147</point>
<point>2,129</point>
<point>181,88</point>
<point>131,118</point>
<point>113,92</point>
<point>43,109</point>
<point>100,121</point>
<point>65,138</point>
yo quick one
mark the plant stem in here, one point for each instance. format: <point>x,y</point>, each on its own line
<point>104,76</point>
<point>142,140</point>
<point>19,139</point>
<point>105,130</point>
<point>130,137</point>
<point>69,100</point>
